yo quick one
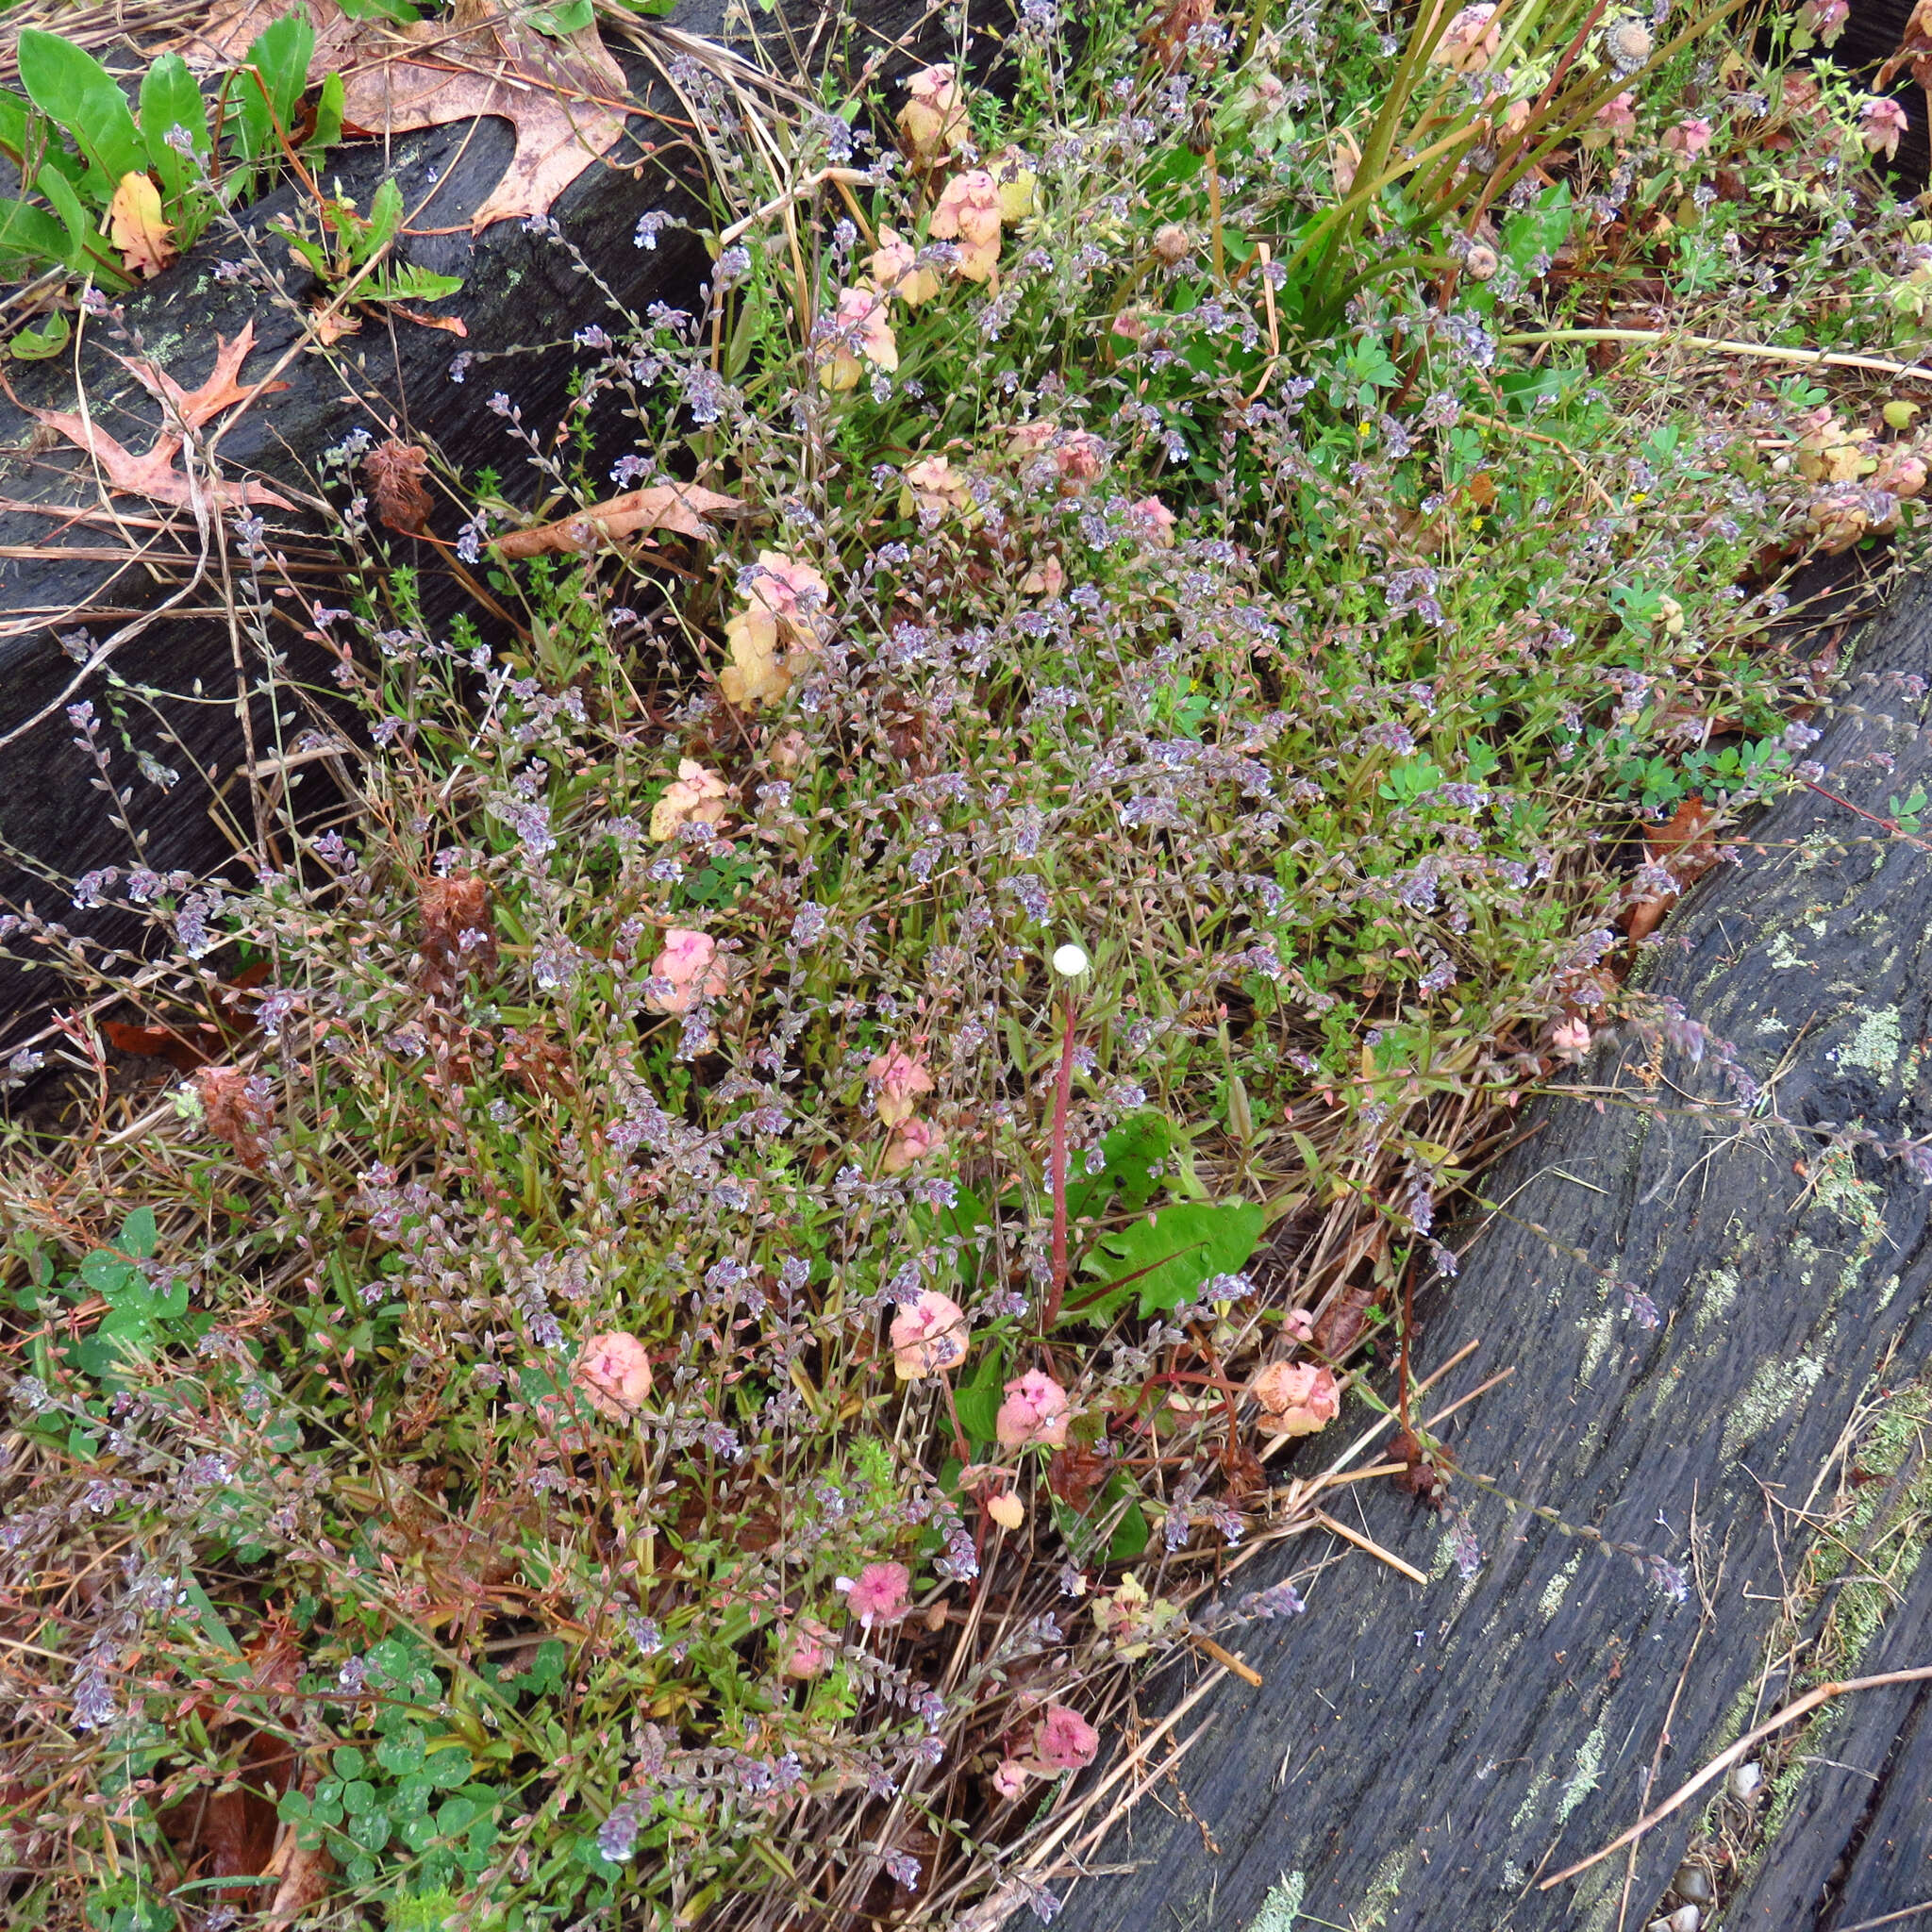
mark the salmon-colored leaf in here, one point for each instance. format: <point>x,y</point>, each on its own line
<point>153,472</point>
<point>192,407</point>
<point>679,507</point>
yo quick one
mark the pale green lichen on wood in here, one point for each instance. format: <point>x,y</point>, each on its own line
<point>1782,954</point>
<point>1777,1388</point>
<point>1584,1774</point>
<point>1558,1587</point>
<point>1877,1044</point>
<point>1384,1889</point>
<point>1717,1291</point>
<point>1283,1905</point>
<point>1531,1800</point>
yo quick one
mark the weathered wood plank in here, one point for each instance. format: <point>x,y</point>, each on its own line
<point>1417,1757</point>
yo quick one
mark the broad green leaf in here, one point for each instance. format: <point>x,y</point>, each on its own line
<point>33,232</point>
<point>86,247</point>
<point>112,1274</point>
<point>1130,1534</point>
<point>36,345</point>
<point>572,17</point>
<point>1170,1257</point>
<point>328,119</point>
<point>73,89</point>
<point>978,1400</point>
<point>401,1753</point>
<point>170,100</point>
<point>14,117</point>
<point>270,86</point>
<point>1131,1151</point>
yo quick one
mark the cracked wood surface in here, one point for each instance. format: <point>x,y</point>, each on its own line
<point>1417,1757</point>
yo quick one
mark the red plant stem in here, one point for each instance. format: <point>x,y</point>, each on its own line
<point>1062,1100</point>
<point>1891,826</point>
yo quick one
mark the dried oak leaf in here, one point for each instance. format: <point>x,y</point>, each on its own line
<point>234,1109</point>
<point>153,474</point>
<point>1682,845</point>
<point>191,407</point>
<point>679,507</point>
<point>136,228</point>
<point>394,471</point>
<point>563,96</point>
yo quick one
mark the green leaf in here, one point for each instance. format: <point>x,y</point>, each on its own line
<point>268,89</point>
<point>347,1760</point>
<point>385,218</point>
<point>1171,1257</point>
<point>978,1400</point>
<point>34,346</point>
<point>106,1272</point>
<point>84,240</point>
<point>410,285</point>
<point>170,99</point>
<point>32,231</point>
<point>69,86</point>
<point>448,1768</point>
<point>328,119</point>
<point>398,10</point>
<point>198,1608</point>
<point>371,1829</point>
<point>1131,1151</point>
<point>138,1237</point>
<point>401,1753</point>
<point>572,17</point>
<point>1130,1534</point>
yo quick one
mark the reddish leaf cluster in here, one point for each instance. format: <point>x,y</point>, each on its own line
<point>394,473</point>
<point>235,1109</point>
<point>455,908</point>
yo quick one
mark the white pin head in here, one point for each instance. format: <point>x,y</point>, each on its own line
<point>1070,961</point>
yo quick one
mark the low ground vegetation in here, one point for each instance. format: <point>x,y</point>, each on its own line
<point>724,1247</point>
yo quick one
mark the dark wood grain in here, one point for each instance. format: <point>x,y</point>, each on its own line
<point>1417,1756</point>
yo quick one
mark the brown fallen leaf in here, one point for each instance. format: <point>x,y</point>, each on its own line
<point>679,507</point>
<point>153,474</point>
<point>136,228</point>
<point>304,1875</point>
<point>560,95</point>
<point>449,324</point>
<point>1683,846</point>
<point>192,407</point>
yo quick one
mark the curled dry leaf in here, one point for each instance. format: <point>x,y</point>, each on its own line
<point>615,1373</point>
<point>1683,846</point>
<point>136,228</point>
<point>562,94</point>
<point>394,471</point>
<point>459,932</point>
<point>679,507</point>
